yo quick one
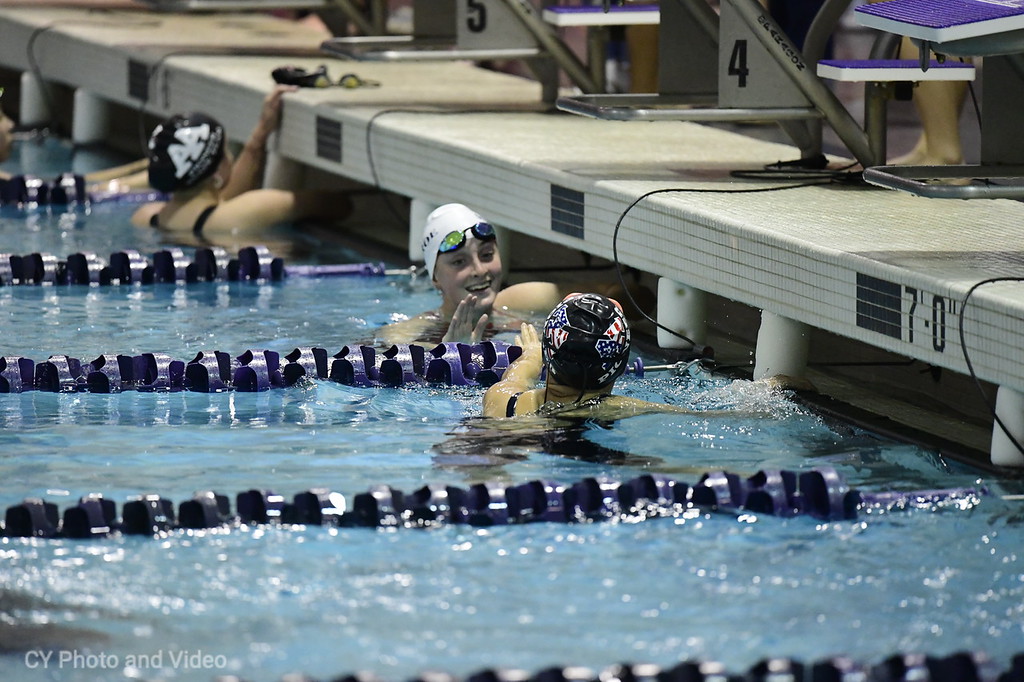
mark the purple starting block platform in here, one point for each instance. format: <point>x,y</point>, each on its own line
<point>594,15</point>
<point>886,70</point>
<point>940,21</point>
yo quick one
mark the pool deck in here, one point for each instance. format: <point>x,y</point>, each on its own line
<point>874,266</point>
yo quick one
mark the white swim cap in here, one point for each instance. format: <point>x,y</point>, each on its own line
<point>441,222</point>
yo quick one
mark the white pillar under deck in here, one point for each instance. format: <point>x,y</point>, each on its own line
<point>33,110</point>
<point>782,347</point>
<point>280,172</point>
<point>418,212</point>
<point>683,309</point>
<point>1010,409</point>
<point>91,116</point>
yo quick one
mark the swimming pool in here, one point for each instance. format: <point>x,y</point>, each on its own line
<point>262,601</point>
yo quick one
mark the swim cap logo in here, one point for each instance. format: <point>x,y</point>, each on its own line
<point>427,239</point>
<point>193,153</point>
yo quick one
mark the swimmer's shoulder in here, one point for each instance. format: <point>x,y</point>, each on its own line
<point>525,403</point>
<point>143,215</point>
<point>528,297</point>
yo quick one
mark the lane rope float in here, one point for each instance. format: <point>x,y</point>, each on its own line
<point>256,370</point>
<point>821,493</point>
<point>962,666</point>
<point>171,265</point>
<point>68,191</point>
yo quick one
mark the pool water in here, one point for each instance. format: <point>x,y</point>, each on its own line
<point>260,602</point>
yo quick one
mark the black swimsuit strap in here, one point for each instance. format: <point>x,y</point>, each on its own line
<point>510,409</point>
<point>197,229</point>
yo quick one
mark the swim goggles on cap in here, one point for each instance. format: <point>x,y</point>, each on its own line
<point>456,240</point>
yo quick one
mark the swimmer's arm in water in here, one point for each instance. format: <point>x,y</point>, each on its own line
<point>468,324</point>
<point>126,176</point>
<point>519,379</point>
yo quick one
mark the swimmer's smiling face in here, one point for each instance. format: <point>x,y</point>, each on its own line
<point>474,269</point>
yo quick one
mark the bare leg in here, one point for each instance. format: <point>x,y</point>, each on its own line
<point>938,104</point>
<point>642,41</point>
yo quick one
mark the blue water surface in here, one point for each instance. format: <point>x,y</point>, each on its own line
<point>260,602</point>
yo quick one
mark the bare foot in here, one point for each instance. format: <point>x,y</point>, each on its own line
<point>923,155</point>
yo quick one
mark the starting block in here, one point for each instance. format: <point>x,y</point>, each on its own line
<point>943,22</point>
<point>880,77</point>
<point>598,24</point>
<point>993,29</point>
<point>473,31</point>
<point>893,70</point>
<point>228,5</point>
<point>730,66</point>
<point>592,15</point>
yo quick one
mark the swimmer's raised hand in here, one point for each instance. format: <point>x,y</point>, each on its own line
<point>270,113</point>
<point>528,339</point>
<point>468,323</point>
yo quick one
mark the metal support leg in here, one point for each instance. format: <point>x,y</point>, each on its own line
<point>805,78</point>
<point>876,102</point>
<point>571,64</point>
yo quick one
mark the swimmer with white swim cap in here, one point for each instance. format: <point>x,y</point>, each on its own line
<point>460,250</point>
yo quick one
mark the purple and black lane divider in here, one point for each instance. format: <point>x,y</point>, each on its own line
<point>820,493</point>
<point>31,191</point>
<point>67,191</point>
<point>964,666</point>
<point>167,266</point>
<point>257,370</point>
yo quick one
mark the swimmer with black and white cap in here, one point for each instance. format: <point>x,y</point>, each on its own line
<point>213,193</point>
<point>585,348</point>
<point>461,254</point>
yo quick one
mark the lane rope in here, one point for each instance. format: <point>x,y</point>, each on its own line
<point>170,266</point>
<point>256,370</point>
<point>821,493</point>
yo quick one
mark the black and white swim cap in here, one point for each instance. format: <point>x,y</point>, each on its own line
<point>184,151</point>
<point>586,342</point>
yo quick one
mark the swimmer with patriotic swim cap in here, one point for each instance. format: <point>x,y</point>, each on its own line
<point>585,348</point>
<point>463,262</point>
<point>216,196</point>
<point>586,342</point>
